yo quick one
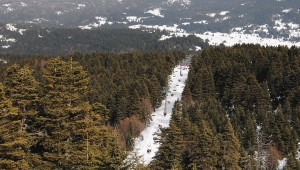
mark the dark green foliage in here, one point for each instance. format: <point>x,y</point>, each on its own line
<point>65,117</point>
<point>258,89</point>
<point>65,41</point>
<point>229,149</point>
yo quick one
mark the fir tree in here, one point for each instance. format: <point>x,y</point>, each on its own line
<point>14,142</point>
<point>205,155</point>
<point>229,149</point>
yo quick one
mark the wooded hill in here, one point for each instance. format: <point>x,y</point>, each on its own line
<point>239,109</point>
<point>56,115</point>
<point>65,41</point>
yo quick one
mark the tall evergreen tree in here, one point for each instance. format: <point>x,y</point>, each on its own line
<point>171,149</point>
<point>76,137</point>
<point>229,149</point>
<point>14,142</point>
<point>205,155</point>
<point>22,88</point>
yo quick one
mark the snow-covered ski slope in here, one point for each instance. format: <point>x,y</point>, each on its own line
<point>145,141</point>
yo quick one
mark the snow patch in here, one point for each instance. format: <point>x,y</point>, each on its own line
<point>101,21</point>
<point>183,2</point>
<point>4,61</point>
<point>198,48</point>
<point>223,12</point>
<point>287,10</point>
<point>211,14</point>
<point>217,38</point>
<point>171,29</point>
<point>164,37</point>
<point>155,12</point>
<point>135,18</point>
<point>58,12</point>
<point>236,36</point>
<point>6,46</point>
<point>201,22</point>
<point>185,23</point>
<point>11,27</point>
<point>23,4</point>
<point>281,164</point>
<point>79,6</point>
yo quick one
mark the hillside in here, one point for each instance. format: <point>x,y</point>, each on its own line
<point>240,104</point>
<point>53,27</point>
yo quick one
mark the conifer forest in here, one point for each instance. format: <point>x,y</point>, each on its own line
<point>240,109</point>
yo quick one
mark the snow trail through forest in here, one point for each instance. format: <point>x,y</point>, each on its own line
<point>145,141</point>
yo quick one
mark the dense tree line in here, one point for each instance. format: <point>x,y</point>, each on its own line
<point>50,125</point>
<point>122,92</point>
<point>66,41</point>
<point>239,110</point>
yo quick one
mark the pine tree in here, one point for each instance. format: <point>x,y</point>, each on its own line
<point>154,91</point>
<point>22,88</point>
<point>76,137</point>
<point>14,142</point>
<point>229,149</point>
<point>249,136</point>
<point>171,149</point>
<point>205,155</point>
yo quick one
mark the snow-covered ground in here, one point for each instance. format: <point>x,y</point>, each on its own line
<point>141,144</point>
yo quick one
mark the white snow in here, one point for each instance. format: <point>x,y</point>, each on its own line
<point>164,37</point>
<point>23,4</point>
<point>279,25</point>
<point>10,40</point>
<point>262,28</point>
<point>198,48</point>
<point>172,29</point>
<point>101,21</point>
<point>232,38</point>
<point>292,25</point>
<point>135,18</point>
<point>101,18</point>
<point>4,61</point>
<point>287,10</point>
<point>222,19</point>
<point>281,164</point>
<point>201,22</point>
<point>155,12</point>
<point>224,12</point>
<point>183,2</point>
<point>176,85</point>
<point>185,23</point>
<point>236,36</point>
<point>5,46</point>
<point>58,12</point>
<point>11,27</point>
<point>211,14</point>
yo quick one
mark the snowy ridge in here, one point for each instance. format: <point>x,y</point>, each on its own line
<point>145,141</point>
